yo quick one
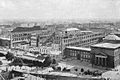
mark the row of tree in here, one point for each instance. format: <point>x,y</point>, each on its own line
<point>19,61</point>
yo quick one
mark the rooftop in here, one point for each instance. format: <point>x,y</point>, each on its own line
<point>112,37</point>
<point>71,29</point>
<point>79,48</point>
<point>55,52</point>
<point>24,29</point>
<point>87,31</point>
<point>107,45</point>
<point>32,58</point>
<point>5,38</point>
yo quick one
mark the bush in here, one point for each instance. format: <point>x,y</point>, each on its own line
<point>68,70</point>
<point>76,69</point>
<point>1,63</point>
<point>9,56</point>
<point>17,61</point>
<point>54,68</point>
<point>59,68</point>
<point>37,63</point>
<point>47,61</point>
<point>82,70</point>
<point>54,61</point>
<point>64,69</point>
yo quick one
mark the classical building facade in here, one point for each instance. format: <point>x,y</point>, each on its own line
<point>107,53</point>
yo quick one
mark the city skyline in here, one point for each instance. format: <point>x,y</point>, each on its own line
<point>59,9</point>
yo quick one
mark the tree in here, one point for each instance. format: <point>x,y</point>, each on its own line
<point>59,68</point>
<point>37,63</point>
<point>78,56</point>
<point>64,69</point>
<point>53,67</point>
<point>1,63</point>
<point>9,56</point>
<point>47,61</point>
<point>1,55</point>
<point>89,72</point>
<point>76,69</point>
<point>54,61</point>
<point>100,40</point>
<point>17,61</point>
<point>82,70</point>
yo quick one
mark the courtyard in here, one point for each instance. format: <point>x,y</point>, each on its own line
<point>80,64</point>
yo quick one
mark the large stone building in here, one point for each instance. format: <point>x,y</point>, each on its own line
<point>76,37</point>
<point>23,34</point>
<point>106,54</point>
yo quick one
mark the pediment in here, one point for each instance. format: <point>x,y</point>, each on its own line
<point>101,54</point>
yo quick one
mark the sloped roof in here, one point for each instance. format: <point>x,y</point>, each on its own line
<point>112,37</point>
<point>24,29</point>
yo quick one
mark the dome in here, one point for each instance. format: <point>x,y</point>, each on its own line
<point>112,37</point>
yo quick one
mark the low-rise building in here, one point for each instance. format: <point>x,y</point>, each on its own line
<point>79,53</point>
<point>5,42</point>
<point>44,49</point>
<point>57,55</point>
<point>23,46</point>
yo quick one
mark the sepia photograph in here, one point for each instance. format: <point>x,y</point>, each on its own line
<point>59,39</point>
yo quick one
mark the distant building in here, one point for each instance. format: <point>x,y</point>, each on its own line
<point>20,34</point>
<point>46,37</point>
<point>44,49</point>
<point>5,42</point>
<point>47,49</point>
<point>57,55</point>
<point>33,49</point>
<point>34,41</point>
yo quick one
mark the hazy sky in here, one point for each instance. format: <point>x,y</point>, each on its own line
<point>60,9</point>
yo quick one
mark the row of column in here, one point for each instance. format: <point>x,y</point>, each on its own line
<point>100,61</point>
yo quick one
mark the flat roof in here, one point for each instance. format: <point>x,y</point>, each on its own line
<point>107,45</point>
<point>4,38</point>
<point>55,52</point>
<point>87,31</point>
<point>31,58</point>
<point>71,29</point>
<point>79,48</point>
<point>26,29</point>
